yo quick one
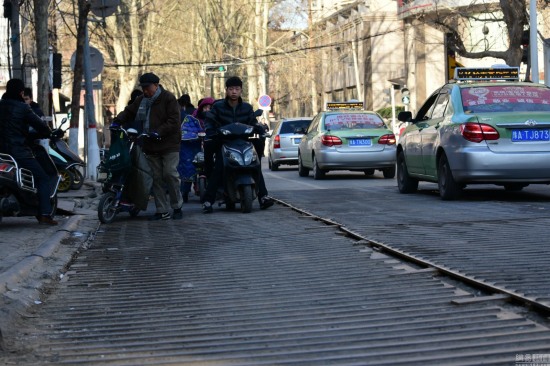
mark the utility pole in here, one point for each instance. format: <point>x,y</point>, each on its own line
<point>533,44</point>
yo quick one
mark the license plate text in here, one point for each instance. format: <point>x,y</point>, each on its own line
<point>530,135</point>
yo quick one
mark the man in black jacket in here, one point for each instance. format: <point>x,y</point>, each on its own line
<point>15,119</point>
<point>230,110</point>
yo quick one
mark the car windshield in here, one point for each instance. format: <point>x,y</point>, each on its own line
<point>505,98</point>
<point>352,121</point>
<point>291,126</point>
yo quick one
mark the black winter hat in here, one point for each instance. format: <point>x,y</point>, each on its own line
<point>148,79</point>
<point>233,81</point>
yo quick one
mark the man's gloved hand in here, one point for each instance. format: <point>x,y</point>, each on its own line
<point>57,133</point>
<point>153,135</point>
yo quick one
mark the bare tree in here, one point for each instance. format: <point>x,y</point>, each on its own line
<point>83,11</point>
<point>453,21</point>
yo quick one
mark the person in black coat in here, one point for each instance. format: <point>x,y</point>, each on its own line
<point>230,110</point>
<point>15,119</point>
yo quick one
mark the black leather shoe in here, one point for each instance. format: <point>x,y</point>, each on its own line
<point>266,202</point>
<point>177,215</point>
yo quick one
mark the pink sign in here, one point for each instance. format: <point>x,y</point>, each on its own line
<point>476,96</point>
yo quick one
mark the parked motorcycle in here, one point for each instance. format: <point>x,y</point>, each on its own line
<point>18,194</point>
<point>62,166</point>
<point>72,162</point>
<point>241,166</point>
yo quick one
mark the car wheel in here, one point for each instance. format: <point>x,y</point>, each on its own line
<point>368,172</point>
<point>302,171</point>
<point>515,187</point>
<point>272,166</point>
<point>318,173</point>
<point>449,189</point>
<point>405,183</point>
<point>389,173</point>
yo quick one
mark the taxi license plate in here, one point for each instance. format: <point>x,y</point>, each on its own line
<point>530,135</point>
<point>360,142</point>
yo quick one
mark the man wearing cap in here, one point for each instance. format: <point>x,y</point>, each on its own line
<point>157,113</point>
<point>223,112</point>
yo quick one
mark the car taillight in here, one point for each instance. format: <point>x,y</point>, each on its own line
<point>277,142</point>
<point>477,132</point>
<point>329,140</point>
<point>388,139</point>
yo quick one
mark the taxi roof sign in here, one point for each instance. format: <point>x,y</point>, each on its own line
<point>344,105</point>
<point>487,73</point>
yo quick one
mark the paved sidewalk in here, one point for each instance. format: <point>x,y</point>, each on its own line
<point>31,255</point>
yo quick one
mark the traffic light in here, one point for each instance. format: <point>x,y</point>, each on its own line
<point>215,69</point>
<point>56,68</point>
<point>525,45</point>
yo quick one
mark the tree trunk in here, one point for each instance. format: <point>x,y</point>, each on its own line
<point>83,11</point>
<point>42,55</point>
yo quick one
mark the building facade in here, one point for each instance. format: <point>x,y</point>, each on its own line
<point>369,50</point>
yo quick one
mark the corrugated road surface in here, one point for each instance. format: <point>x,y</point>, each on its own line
<point>496,237</point>
<point>294,292</point>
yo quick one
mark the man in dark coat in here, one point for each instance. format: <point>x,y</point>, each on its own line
<point>230,110</point>
<point>157,113</point>
<point>15,119</point>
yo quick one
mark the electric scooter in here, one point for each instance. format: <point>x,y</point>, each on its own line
<point>241,166</point>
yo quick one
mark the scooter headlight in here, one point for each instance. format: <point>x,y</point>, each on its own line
<point>235,158</point>
<point>250,156</point>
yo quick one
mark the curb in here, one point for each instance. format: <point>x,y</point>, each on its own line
<point>18,272</point>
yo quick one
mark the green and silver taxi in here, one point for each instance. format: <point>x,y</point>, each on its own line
<point>485,127</point>
<point>347,137</point>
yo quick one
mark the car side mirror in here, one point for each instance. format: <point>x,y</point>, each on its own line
<point>404,116</point>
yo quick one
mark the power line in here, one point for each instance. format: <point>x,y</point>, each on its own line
<point>251,58</point>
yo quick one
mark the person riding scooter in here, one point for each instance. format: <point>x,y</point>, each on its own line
<point>229,110</point>
<point>15,119</point>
